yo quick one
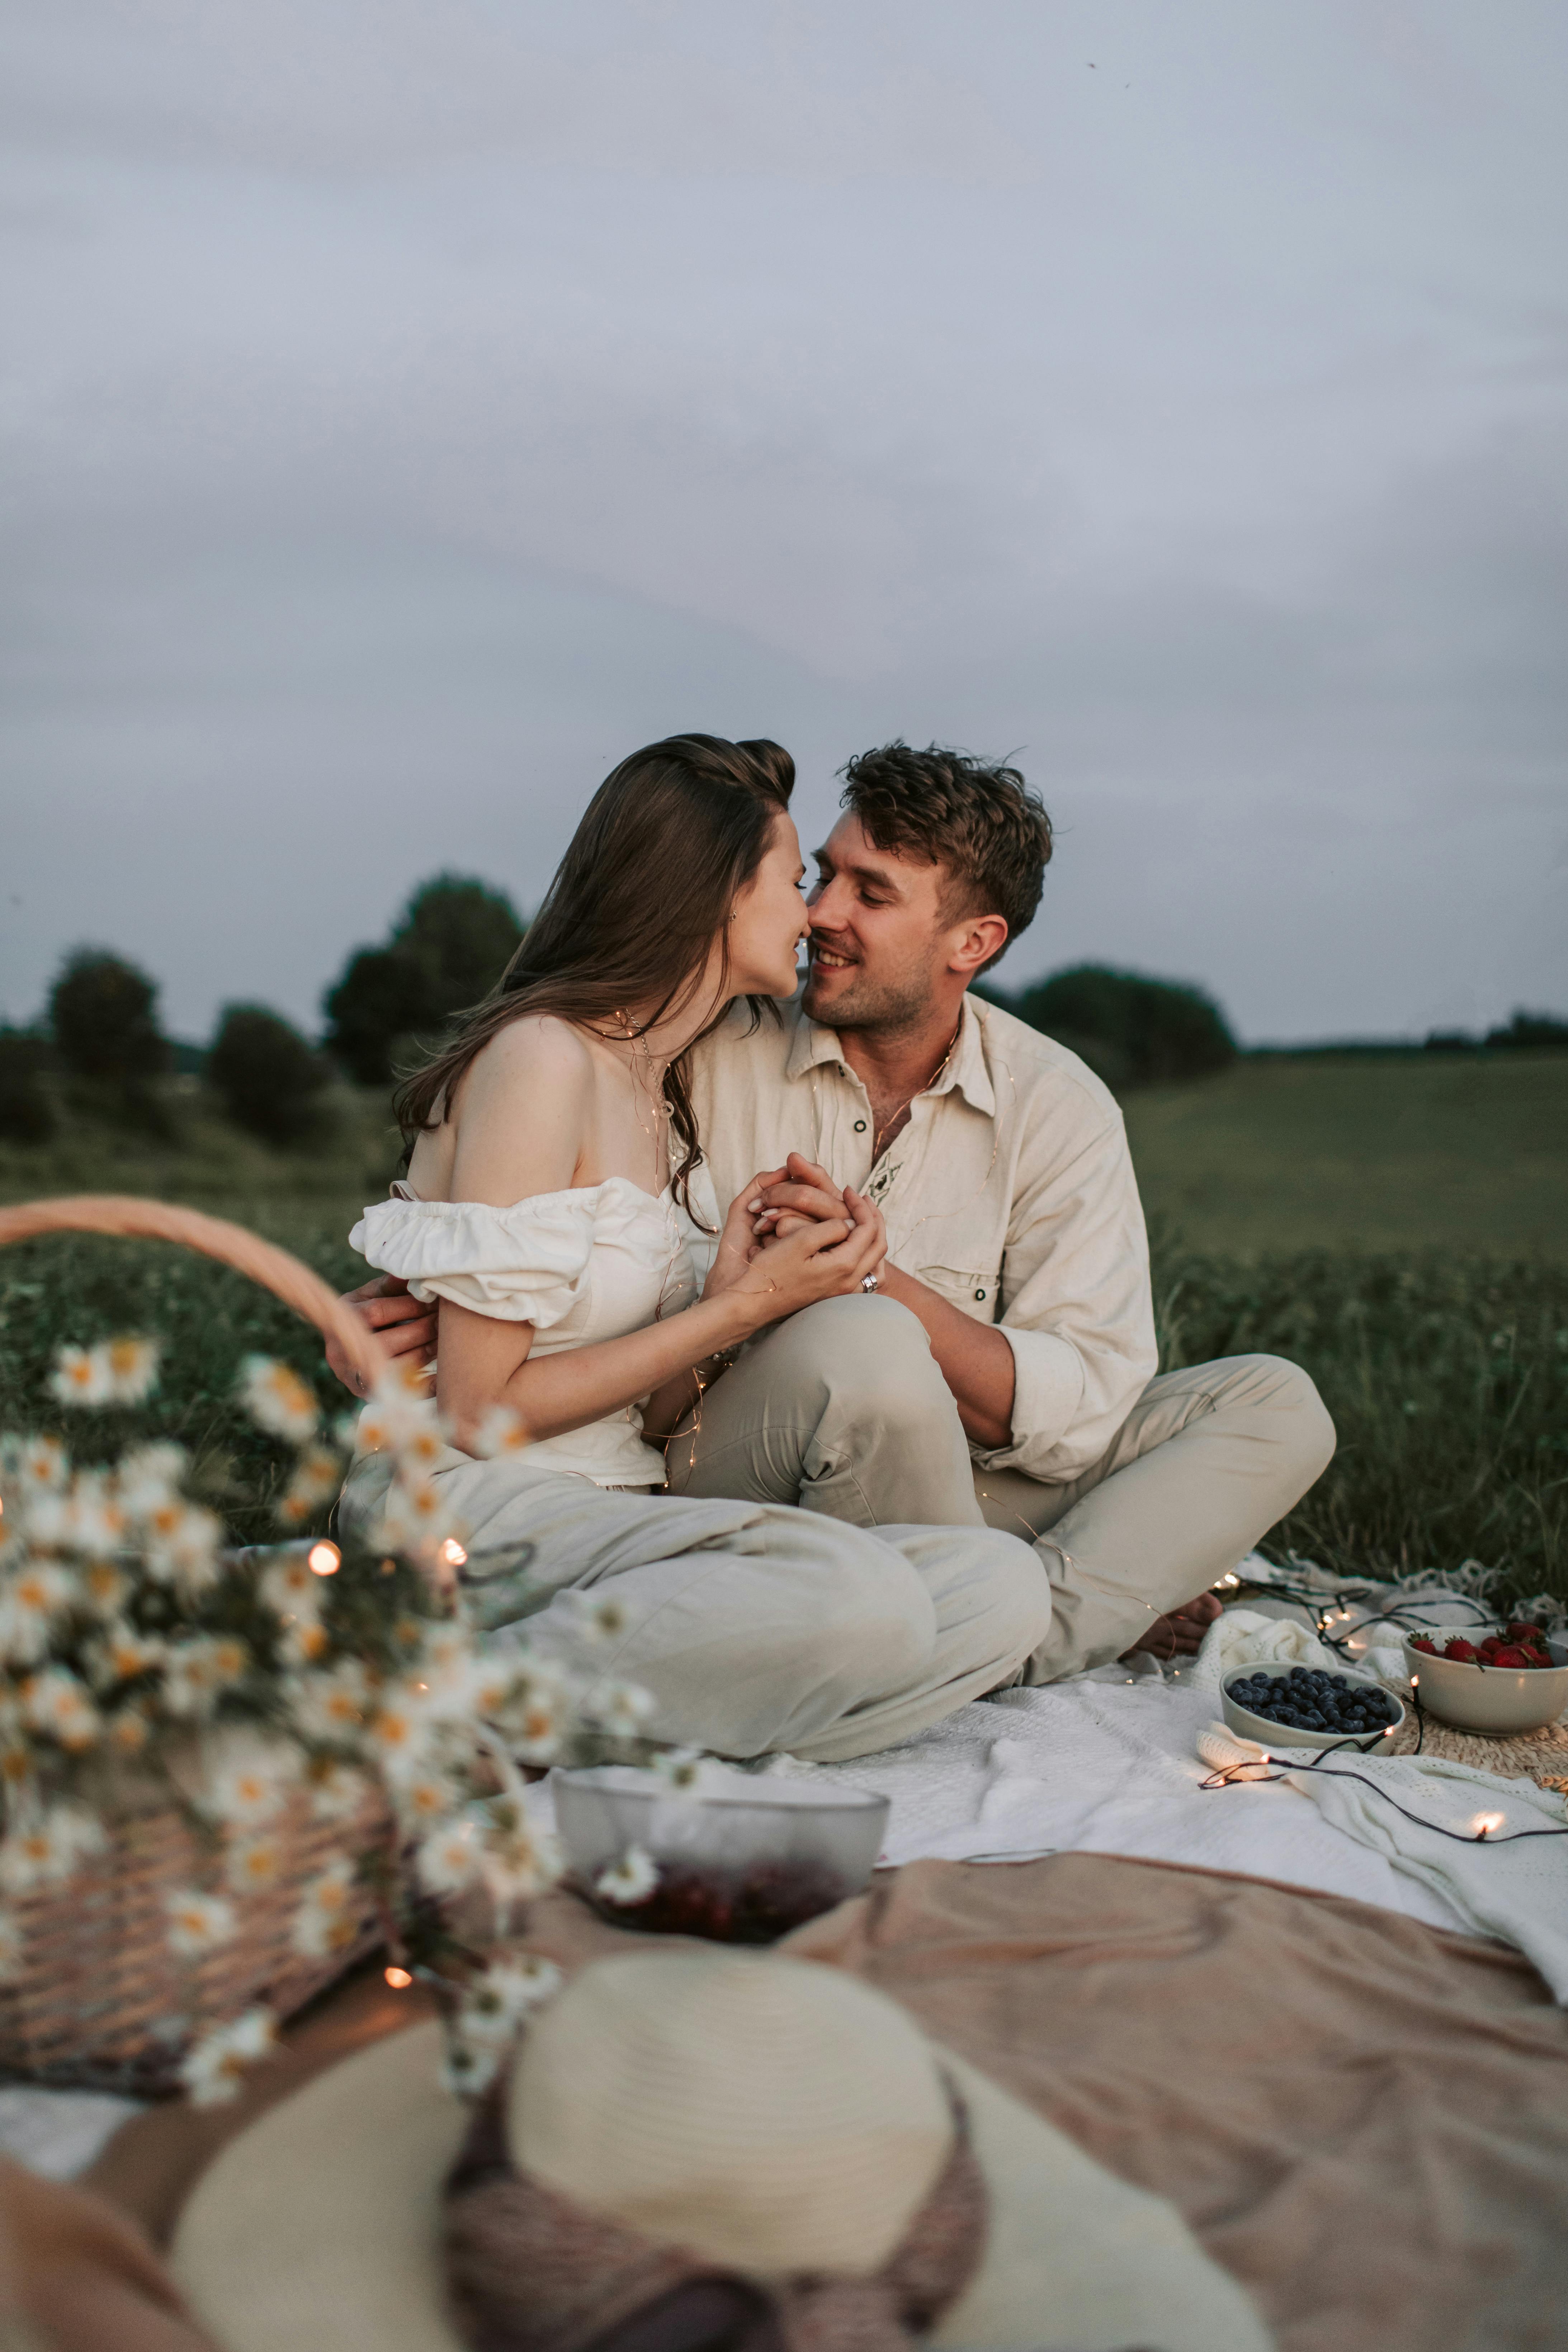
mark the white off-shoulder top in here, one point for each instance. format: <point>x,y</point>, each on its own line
<point>589,1263</point>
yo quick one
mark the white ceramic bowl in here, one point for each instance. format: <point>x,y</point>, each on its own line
<point>741,1860</point>
<point>1488,1698</point>
<point>1274,1735</point>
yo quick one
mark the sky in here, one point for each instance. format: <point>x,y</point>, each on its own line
<point>410,406</point>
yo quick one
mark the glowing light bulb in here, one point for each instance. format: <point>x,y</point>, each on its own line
<point>398,1979</point>
<point>324,1559</point>
<point>1486,1822</point>
<point>451,1553</point>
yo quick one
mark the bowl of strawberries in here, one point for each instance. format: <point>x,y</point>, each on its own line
<point>1509,1681</point>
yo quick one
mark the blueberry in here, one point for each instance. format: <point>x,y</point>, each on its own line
<point>1299,1674</point>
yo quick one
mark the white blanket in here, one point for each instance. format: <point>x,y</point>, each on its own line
<point>1110,1766</point>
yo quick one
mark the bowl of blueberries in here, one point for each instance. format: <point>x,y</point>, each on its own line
<point>1309,1706</point>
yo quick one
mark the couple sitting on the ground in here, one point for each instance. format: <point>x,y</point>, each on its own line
<point>827,1316</point>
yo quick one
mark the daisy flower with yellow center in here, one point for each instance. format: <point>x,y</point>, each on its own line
<point>198,1923</point>
<point>278,1399</point>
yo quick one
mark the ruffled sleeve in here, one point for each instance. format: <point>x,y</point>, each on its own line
<point>528,1263</point>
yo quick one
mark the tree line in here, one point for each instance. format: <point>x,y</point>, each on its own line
<point>100,1042</point>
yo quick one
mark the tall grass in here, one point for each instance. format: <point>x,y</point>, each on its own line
<point>1447,1379</point>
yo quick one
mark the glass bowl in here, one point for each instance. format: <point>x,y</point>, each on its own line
<point>736,1859</point>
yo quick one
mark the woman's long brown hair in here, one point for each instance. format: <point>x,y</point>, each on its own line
<point>667,841</point>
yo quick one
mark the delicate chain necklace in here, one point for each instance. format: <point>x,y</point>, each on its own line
<point>880,1129</point>
<point>653,1088</point>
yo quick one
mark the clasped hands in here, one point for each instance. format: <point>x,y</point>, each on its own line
<point>794,1236</point>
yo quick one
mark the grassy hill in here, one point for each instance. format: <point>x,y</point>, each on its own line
<point>1361,1151</point>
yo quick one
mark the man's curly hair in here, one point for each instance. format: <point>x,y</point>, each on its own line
<point>975,817</point>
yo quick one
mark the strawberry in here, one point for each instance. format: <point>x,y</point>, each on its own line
<point>1510,1655</point>
<point>1463,1652</point>
<point>1523,1633</point>
<point>1425,1641</point>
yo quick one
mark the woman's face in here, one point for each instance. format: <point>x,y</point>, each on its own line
<point>769,920</point>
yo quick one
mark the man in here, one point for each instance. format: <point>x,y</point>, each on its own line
<point>1016,1249</point>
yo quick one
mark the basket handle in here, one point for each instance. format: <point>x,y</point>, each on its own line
<point>274,1269</point>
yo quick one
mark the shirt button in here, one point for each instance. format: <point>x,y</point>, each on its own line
<point>859,1126</point>
<point>980,1294</point>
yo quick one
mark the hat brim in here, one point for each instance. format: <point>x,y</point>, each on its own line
<point>321,2225</point>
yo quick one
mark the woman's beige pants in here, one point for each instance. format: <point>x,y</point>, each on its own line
<point>885,1601</point>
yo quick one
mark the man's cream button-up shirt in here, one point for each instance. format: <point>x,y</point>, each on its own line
<point>1010,1192</point>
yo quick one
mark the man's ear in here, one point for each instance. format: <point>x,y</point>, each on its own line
<point>975,940</point>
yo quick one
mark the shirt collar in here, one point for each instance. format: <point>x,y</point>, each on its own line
<point>812,1045</point>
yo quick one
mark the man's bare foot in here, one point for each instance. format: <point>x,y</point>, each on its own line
<point>1180,1634</point>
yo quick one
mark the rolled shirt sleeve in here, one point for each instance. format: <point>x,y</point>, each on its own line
<point>1077,1310</point>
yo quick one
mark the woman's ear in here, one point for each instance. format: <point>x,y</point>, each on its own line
<point>975,940</point>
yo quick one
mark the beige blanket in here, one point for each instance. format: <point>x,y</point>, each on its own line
<point>1364,2118</point>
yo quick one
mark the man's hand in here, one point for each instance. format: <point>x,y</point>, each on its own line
<point>799,1194</point>
<point>401,1326</point>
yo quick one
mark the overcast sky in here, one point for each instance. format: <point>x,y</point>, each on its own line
<point>412,406</point>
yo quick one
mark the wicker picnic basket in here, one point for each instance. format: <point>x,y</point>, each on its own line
<point>98,2000</point>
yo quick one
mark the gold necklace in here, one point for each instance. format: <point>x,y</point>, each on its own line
<point>880,1129</point>
<point>654,1090</point>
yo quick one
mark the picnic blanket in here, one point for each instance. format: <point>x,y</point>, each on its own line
<point>1364,2119</point>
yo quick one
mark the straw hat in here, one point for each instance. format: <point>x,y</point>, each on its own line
<point>769,2116</point>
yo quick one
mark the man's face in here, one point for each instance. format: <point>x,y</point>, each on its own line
<point>878,944</point>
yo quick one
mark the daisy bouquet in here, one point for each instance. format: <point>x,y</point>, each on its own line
<point>227,1772</point>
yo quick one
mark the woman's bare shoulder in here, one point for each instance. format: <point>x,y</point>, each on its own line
<point>538,1048</point>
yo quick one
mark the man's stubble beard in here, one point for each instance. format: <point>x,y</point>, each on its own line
<point>889,1008</point>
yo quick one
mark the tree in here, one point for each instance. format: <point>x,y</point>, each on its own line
<point>447,951</point>
<point>27,1113</point>
<point>103,1014</point>
<point>1131,1030</point>
<point>264,1072</point>
<point>1530,1033</point>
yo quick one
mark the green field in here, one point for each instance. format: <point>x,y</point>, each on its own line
<point>1395,1225</point>
<point>1466,1153</point>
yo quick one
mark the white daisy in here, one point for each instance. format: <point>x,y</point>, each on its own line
<point>632,1879</point>
<point>277,1398</point>
<point>330,1705</point>
<point>399,1733</point>
<point>93,1520</point>
<point>248,1788</point>
<point>466,2068</point>
<point>132,1369</point>
<point>198,1923</point>
<point>684,1768</point>
<point>450,1860</point>
<point>39,1462</point>
<point>398,1408</point>
<point>328,1920</point>
<point>46,1852</point>
<point>303,1641</point>
<point>495,2001</point>
<point>499,1432</point>
<point>254,1864</point>
<point>318,1474</point>
<point>620,1709</point>
<point>335,1790</point>
<point>519,1865</point>
<point>32,1599</point>
<point>149,1477</point>
<point>122,1653</point>
<point>423,1798</point>
<point>82,1376</point>
<point>290,1588</point>
<point>214,2068</point>
<point>601,1616</point>
<point>183,1549</point>
<point>197,1672</point>
<point>57,1703</point>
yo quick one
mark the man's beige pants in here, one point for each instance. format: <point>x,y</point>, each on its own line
<point>844,1409</point>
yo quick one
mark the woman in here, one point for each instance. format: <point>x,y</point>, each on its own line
<point>557,1206</point>
<point>549,1203</point>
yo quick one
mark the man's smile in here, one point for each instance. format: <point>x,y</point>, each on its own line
<point>829,958</point>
